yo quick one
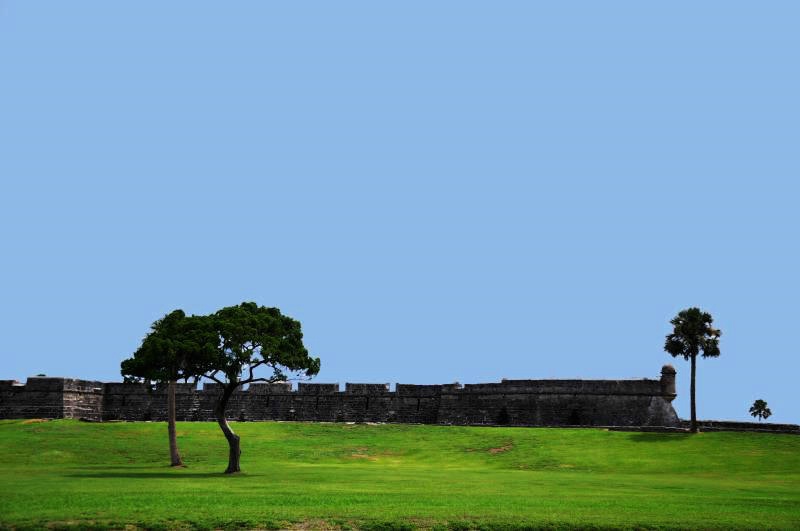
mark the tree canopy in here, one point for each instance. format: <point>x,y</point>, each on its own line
<point>177,348</point>
<point>759,409</point>
<point>692,335</point>
<point>253,336</point>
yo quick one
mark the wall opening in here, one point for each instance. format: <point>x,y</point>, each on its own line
<point>503,417</point>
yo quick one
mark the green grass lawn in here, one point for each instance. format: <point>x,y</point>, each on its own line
<point>68,473</point>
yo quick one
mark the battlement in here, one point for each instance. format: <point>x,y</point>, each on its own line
<point>641,402</point>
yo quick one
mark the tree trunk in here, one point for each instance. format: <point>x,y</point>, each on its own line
<point>233,439</point>
<point>693,426</point>
<point>175,456</point>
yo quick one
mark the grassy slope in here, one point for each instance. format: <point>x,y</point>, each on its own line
<point>367,476</point>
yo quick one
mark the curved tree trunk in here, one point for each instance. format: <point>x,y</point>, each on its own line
<point>233,439</point>
<point>693,427</point>
<point>175,456</point>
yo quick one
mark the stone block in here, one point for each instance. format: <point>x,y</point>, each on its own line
<point>317,388</point>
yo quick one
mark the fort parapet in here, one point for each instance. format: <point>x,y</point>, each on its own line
<point>643,402</point>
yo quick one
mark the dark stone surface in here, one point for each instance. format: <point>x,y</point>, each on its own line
<point>727,425</point>
<point>642,402</point>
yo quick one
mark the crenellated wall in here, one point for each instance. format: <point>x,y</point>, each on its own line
<point>642,402</point>
<point>51,398</point>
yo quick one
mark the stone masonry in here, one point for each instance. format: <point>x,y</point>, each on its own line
<point>643,402</point>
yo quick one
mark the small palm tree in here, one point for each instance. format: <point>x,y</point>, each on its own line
<point>760,410</point>
<point>692,333</point>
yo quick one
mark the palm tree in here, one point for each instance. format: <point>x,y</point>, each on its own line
<point>692,334</point>
<point>760,410</point>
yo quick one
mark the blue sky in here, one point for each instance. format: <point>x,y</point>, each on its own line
<point>438,191</point>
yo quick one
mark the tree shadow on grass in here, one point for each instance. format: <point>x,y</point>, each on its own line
<point>101,468</point>
<point>135,474</point>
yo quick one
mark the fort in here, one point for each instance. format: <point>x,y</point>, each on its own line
<point>637,403</point>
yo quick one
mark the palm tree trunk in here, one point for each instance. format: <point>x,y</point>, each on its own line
<point>175,456</point>
<point>693,426</point>
<point>233,440</point>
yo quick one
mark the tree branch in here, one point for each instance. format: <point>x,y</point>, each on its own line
<point>267,380</point>
<point>213,376</point>
<point>252,367</point>
<point>262,379</point>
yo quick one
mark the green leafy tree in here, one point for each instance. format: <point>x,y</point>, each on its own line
<point>759,409</point>
<point>692,335</point>
<point>251,338</point>
<point>177,348</point>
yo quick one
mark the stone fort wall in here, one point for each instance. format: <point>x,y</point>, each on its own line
<point>643,402</point>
